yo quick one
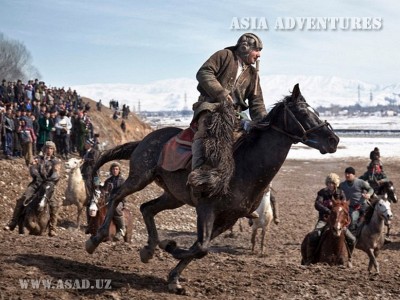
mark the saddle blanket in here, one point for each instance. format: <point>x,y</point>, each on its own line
<point>177,152</point>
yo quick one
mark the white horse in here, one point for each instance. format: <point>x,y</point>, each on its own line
<point>75,194</point>
<point>372,237</point>
<point>264,211</point>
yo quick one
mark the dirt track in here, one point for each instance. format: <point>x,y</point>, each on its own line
<point>230,271</point>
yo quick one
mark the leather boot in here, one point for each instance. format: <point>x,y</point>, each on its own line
<point>312,245</point>
<point>310,251</point>
<point>198,160</point>
<point>17,212</point>
<point>351,244</point>
<point>275,209</point>
<point>53,221</point>
<point>120,224</point>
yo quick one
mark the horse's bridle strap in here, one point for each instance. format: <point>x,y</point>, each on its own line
<point>303,138</point>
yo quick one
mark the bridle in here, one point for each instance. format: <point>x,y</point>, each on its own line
<point>304,138</point>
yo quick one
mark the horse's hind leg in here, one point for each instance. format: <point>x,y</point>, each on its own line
<point>263,234</point>
<point>78,218</point>
<point>149,210</point>
<point>253,239</point>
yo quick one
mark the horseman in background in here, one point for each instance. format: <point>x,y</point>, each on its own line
<point>323,203</point>
<point>374,175</point>
<point>358,192</point>
<point>112,185</point>
<point>44,170</point>
<point>228,77</point>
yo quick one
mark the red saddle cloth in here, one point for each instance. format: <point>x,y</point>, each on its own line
<point>177,152</point>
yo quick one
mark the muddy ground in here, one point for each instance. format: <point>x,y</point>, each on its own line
<point>230,271</point>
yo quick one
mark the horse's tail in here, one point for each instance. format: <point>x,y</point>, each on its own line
<point>123,151</point>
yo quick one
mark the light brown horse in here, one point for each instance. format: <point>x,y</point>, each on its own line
<point>97,213</point>
<point>332,247</point>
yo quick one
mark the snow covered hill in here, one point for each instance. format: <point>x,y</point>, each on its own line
<point>170,94</point>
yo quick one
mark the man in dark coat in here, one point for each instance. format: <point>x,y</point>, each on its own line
<point>44,172</point>
<point>226,77</point>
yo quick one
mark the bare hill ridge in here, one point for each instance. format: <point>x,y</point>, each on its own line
<point>110,130</point>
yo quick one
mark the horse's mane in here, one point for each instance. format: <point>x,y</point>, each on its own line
<point>261,125</point>
<point>384,186</point>
<point>270,117</point>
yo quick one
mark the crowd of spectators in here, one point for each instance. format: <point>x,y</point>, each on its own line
<point>33,113</point>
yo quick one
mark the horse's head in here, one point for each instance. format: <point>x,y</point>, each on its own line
<point>339,218</point>
<point>298,120</point>
<point>388,191</point>
<point>94,203</point>
<point>73,163</point>
<point>384,210</point>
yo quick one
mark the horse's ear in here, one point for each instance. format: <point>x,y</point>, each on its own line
<point>296,92</point>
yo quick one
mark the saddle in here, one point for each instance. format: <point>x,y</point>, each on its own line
<point>177,152</point>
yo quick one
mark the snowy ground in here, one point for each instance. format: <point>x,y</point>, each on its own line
<point>349,147</point>
<point>357,146</point>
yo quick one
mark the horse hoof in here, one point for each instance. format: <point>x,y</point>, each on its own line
<point>146,254</point>
<point>90,246</point>
<point>168,245</point>
<point>176,288</point>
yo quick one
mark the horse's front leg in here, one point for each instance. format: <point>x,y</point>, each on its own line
<point>149,210</point>
<point>372,261</point>
<point>102,233</point>
<point>174,276</point>
<point>205,223</point>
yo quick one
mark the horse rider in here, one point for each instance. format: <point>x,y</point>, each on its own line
<point>89,159</point>
<point>358,192</point>
<point>375,154</point>
<point>375,175</point>
<point>227,76</point>
<point>323,204</point>
<point>112,185</point>
<point>44,171</point>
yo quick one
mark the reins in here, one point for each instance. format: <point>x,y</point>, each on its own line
<point>305,133</point>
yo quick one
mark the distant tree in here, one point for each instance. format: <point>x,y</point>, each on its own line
<point>15,61</point>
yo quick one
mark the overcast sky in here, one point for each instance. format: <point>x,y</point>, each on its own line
<point>82,42</point>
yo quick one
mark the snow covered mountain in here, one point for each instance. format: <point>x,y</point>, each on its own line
<point>171,94</point>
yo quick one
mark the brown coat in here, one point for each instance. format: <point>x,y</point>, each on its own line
<point>216,79</point>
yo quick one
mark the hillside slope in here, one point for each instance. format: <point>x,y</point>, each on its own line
<point>110,130</point>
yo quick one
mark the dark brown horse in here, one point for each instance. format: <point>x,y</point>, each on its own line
<point>257,158</point>
<point>332,247</point>
<point>97,214</point>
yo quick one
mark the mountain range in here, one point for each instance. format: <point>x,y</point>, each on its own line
<point>181,93</point>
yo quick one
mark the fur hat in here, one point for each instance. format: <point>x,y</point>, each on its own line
<point>50,144</point>
<point>334,178</point>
